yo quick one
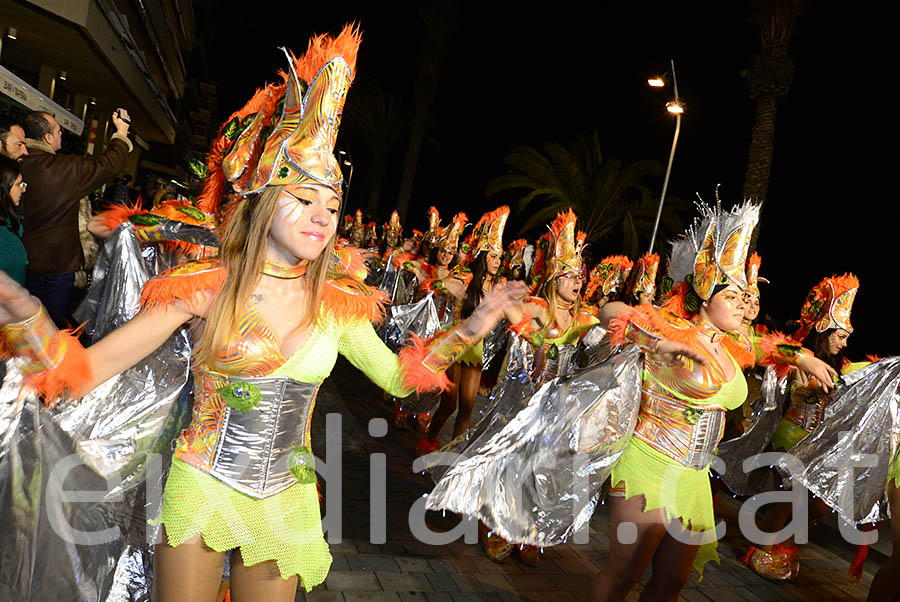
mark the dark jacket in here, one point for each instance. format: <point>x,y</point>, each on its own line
<point>50,205</point>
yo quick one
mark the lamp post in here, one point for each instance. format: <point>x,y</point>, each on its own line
<point>347,160</point>
<point>676,109</point>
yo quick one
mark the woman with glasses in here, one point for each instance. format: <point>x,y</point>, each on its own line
<point>12,252</point>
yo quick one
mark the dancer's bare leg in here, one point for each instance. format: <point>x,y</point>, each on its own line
<point>470,378</point>
<point>627,562</point>
<point>886,584</point>
<point>672,566</point>
<point>447,405</point>
<point>261,581</point>
<point>190,572</point>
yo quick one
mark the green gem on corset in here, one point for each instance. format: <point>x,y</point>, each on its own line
<point>241,396</point>
<point>302,464</point>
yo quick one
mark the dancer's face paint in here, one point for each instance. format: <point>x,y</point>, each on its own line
<point>726,308</point>
<point>305,222</point>
<point>751,309</point>
<point>837,340</point>
<point>569,285</point>
<point>493,262</point>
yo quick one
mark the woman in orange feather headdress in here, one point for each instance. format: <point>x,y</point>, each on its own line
<point>470,285</point>
<point>691,377</point>
<point>276,306</point>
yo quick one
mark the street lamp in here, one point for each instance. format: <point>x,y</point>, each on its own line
<point>347,160</point>
<point>676,108</point>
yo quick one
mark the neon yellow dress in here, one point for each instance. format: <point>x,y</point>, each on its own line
<point>285,527</point>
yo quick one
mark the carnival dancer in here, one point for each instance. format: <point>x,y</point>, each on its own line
<point>358,231</point>
<point>692,375</point>
<point>470,285</point>
<point>515,265</point>
<point>242,478</point>
<point>643,280</point>
<point>559,319</point>
<point>392,240</point>
<point>607,280</point>
<point>440,260</point>
<point>824,328</point>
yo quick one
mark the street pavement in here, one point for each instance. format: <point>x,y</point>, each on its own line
<point>403,568</point>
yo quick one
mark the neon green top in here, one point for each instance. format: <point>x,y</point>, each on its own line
<point>285,527</point>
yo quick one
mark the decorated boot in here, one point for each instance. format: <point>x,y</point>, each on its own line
<point>425,446</point>
<point>401,416</point>
<point>530,555</point>
<point>495,547</point>
<point>779,563</point>
<point>423,421</point>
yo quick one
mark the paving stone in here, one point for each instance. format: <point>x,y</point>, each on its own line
<point>401,582</point>
<point>466,583</point>
<point>373,562</point>
<point>344,581</point>
<point>411,564</point>
<point>439,597</point>
<point>494,582</point>
<point>413,596</point>
<point>441,565</point>
<point>694,595</point>
<point>531,583</point>
<point>476,597</point>
<point>339,562</point>
<point>321,596</point>
<point>571,583</point>
<point>442,582</point>
<point>371,597</point>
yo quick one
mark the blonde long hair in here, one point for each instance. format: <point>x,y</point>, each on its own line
<point>548,293</point>
<point>243,254</point>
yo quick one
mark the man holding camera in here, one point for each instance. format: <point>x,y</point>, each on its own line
<point>56,184</point>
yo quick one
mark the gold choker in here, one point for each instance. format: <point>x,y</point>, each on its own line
<point>278,270</point>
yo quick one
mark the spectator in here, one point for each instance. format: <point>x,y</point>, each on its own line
<point>56,185</point>
<point>12,139</point>
<point>12,253</point>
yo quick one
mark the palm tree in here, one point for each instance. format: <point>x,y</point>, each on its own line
<point>769,76</point>
<point>613,201</point>
<point>376,118</point>
<point>439,21</point>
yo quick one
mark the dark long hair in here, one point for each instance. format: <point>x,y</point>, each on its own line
<point>9,213</point>
<point>475,290</point>
<point>818,343</point>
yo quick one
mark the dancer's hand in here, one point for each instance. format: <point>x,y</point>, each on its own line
<point>501,298</point>
<point>670,352</point>
<point>455,287</point>
<point>816,368</point>
<point>16,304</point>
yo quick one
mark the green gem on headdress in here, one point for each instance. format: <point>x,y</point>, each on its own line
<point>193,212</point>
<point>283,172</point>
<point>241,396</point>
<point>144,219</point>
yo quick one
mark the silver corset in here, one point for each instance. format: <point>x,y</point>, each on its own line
<point>256,450</point>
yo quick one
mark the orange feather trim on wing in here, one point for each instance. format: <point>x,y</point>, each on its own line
<point>415,375</point>
<point>183,282</point>
<point>744,357</point>
<point>115,215</point>
<point>780,352</point>
<point>647,317</point>
<point>349,299</point>
<point>674,303</point>
<point>69,376</point>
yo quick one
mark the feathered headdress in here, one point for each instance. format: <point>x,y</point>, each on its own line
<point>285,134</point>
<point>434,224</point>
<point>753,278</point>
<point>393,225</point>
<point>491,232</point>
<point>714,249</point>
<point>609,276</point>
<point>514,255</point>
<point>645,270</point>
<point>564,252</point>
<point>449,237</point>
<point>828,305</point>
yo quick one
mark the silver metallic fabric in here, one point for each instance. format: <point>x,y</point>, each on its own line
<point>399,284</point>
<point>419,318</point>
<point>494,345</point>
<point>766,412</point>
<point>255,450</point>
<point>861,419</point>
<point>119,438</point>
<point>119,274</point>
<point>535,478</point>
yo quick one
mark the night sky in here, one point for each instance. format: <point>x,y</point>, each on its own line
<point>515,75</point>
